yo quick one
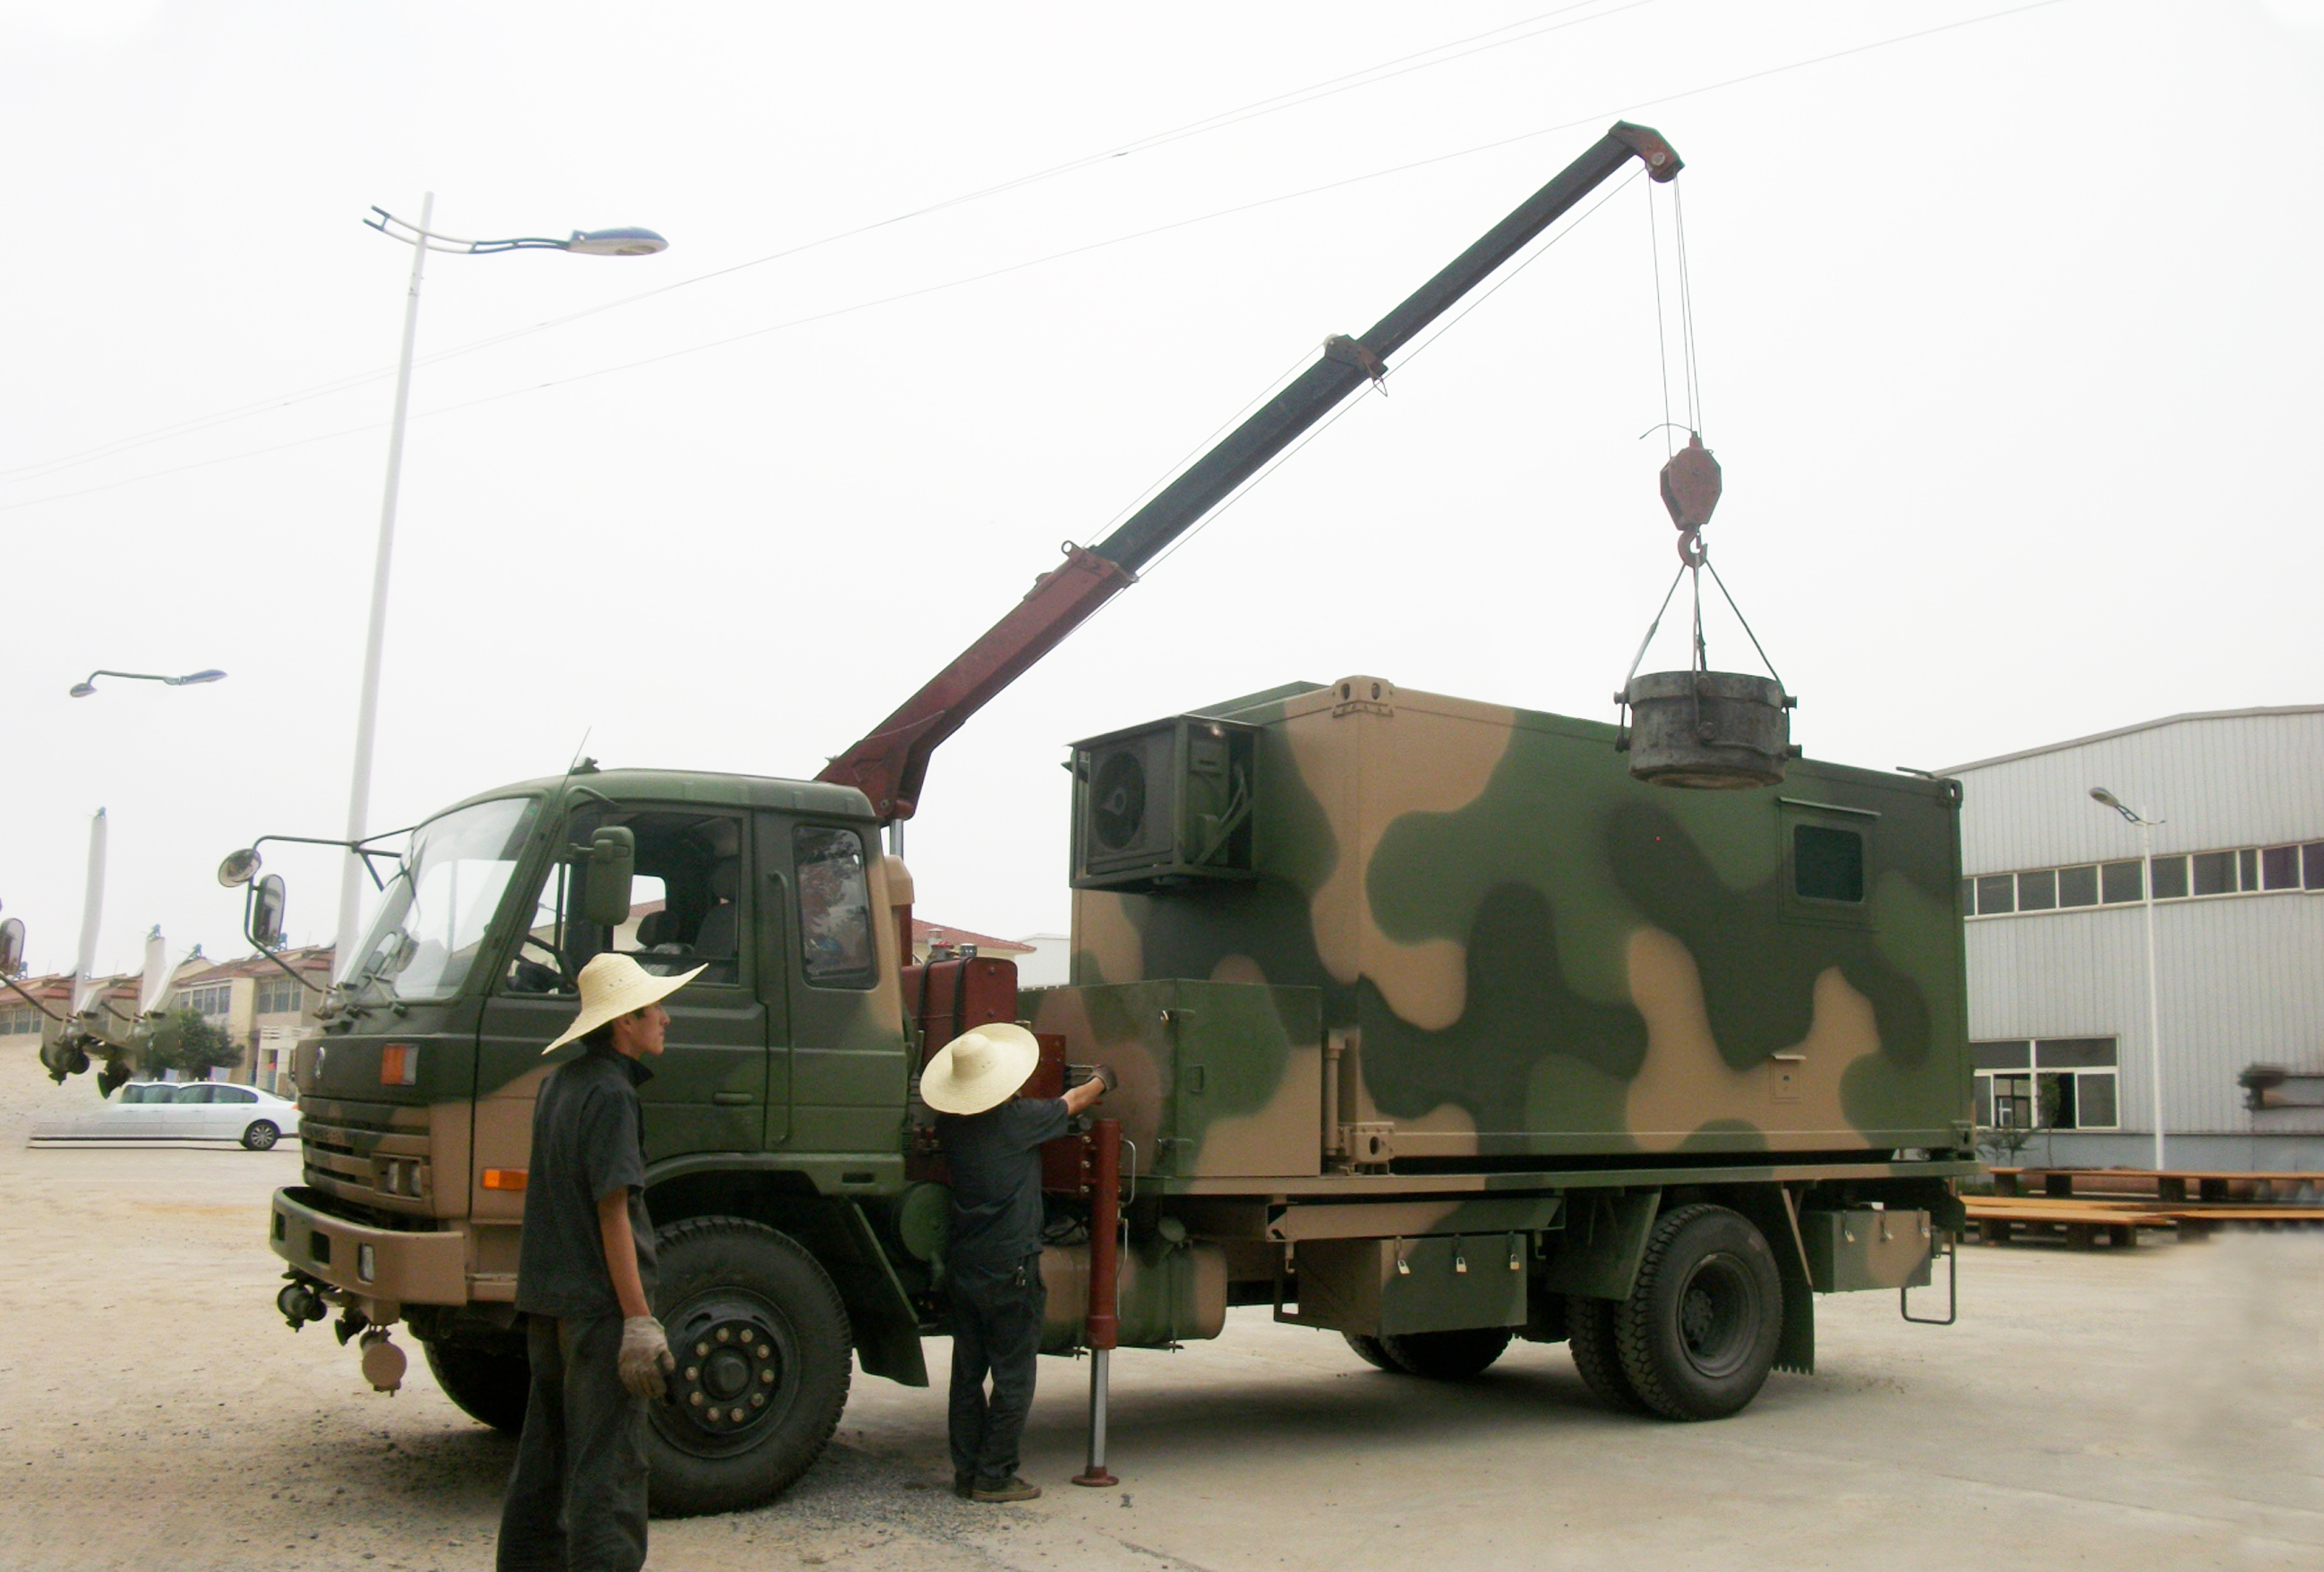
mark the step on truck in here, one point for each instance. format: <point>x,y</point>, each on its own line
<point>1436,1027</point>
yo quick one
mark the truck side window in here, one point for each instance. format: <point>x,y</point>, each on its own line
<point>685,904</point>
<point>835,944</point>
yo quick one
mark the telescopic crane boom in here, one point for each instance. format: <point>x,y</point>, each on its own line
<point>890,763</point>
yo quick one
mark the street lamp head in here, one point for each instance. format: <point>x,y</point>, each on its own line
<point>192,678</point>
<point>625,242</point>
<point>2100,794</point>
<point>81,689</point>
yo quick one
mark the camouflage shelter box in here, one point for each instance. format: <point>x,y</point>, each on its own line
<point>1518,952</point>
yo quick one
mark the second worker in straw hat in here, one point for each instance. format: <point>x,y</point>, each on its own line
<point>992,1142</point>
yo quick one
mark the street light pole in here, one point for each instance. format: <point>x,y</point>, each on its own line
<point>2153,986</point>
<point>629,242</point>
<point>376,636</point>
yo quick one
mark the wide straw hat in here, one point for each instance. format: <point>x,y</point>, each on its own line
<point>980,1069</point>
<point>611,985</point>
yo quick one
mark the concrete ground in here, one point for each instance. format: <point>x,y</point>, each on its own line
<point>2156,1408</point>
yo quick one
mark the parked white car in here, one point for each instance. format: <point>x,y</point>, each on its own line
<point>178,1111</point>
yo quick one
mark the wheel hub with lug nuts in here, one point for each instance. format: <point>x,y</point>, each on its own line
<point>730,1370</point>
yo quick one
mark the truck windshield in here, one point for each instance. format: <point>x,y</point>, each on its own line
<point>438,907</point>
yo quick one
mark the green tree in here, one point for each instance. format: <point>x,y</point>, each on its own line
<point>184,1041</point>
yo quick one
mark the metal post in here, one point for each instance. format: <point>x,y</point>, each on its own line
<point>2154,993</point>
<point>350,875</point>
<point>1104,1324</point>
<point>92,913</point>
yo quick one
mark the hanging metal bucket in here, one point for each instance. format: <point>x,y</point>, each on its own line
<point>1707,731</point>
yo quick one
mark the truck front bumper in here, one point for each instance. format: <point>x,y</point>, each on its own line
<point>393,1265</point>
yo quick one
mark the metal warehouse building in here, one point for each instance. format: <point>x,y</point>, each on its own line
<point>2055,900</point>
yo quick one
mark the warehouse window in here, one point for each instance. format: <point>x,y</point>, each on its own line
<point>2170,878</point>
<point>2312,862</point>
<point>2038,891</point>
<point>2124,882</point>
<point>2079,886</point>
<point>2280,868</point>
<point>1996,894</point>
<point>2214,873</point>
<point>2071,1085</point>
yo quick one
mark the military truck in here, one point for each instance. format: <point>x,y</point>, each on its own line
<point>1435,1026</point>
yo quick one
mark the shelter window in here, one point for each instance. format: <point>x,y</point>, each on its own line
<point>2278,868</point>
<point>2215,873</point>
<point>836,949</point>
<point>2124,882</point>
<point>2038,891</point>
<point>2079,886</point>
<point>2170,878</point>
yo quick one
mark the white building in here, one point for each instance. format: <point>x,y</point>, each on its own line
<point>2055,899</point>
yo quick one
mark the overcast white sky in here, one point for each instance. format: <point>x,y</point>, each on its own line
<point>2007,338</point>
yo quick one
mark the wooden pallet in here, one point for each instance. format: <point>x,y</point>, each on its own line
<point>2083,1222</point>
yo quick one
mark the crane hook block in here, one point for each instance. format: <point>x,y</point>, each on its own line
<point>1691,485</point>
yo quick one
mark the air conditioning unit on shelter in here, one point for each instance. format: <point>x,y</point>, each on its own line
<point>1164,806</point>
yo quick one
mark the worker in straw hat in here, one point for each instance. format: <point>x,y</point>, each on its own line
<point>584,1276</point>
<point>991,1140</point>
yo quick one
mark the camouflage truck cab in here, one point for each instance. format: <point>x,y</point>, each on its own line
<point>773,1121</point>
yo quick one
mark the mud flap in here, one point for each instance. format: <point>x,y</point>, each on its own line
<point>887,1331</point>
<point>1604,1239</point>
<point>1773,1213</point>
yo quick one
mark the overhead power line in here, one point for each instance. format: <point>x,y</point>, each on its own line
<point>1069,251</point>
<point>1459,48</point>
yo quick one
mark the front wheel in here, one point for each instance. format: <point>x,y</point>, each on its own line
<point>762,1346</point>
<point>488,1387</point>
<point>1698,1333</point>
<point>261,1135</point>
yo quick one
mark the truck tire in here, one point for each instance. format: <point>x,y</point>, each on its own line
<point>1447,1355</point>
<point>762,1346</point>
<point>1371,1351</point>
<point>1590,1336</point>
<point>1698,1333</point>
<point>488,1387</point>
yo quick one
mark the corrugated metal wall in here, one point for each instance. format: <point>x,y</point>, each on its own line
<point>2237,781</point>
<point>2241,976</point>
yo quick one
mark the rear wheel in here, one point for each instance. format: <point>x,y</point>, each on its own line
<point>1448,1356</point>
<point>483,1384</point>
<point>1369,1350</point>
<point>261,1135</point>
<point>1698,1333</point>
<point>1590,1336</point>
<point>762,1346</point>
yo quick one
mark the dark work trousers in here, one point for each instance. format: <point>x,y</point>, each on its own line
<point>577,1498</point>
<point>996,1329</point>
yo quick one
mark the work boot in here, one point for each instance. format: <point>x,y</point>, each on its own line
<point>964,1485</point>
<point>1012,1488</point>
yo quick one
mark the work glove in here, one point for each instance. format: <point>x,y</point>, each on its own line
<point>1104,1075</point>
<point>645,1356</point>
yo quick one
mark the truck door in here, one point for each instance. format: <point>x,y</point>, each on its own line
<point>848,1076</point>
<point>689,906</point>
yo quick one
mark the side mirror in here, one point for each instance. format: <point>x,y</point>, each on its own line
<point>611,864</point>
<point>239,868</point>
<point>11,946</point>
<point>262,923</point>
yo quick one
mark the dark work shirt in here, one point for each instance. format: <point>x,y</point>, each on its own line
<point>995,1158</point>
<point>588,1143</point>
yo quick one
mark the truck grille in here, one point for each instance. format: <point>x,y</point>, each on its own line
<point>374,1153</point>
